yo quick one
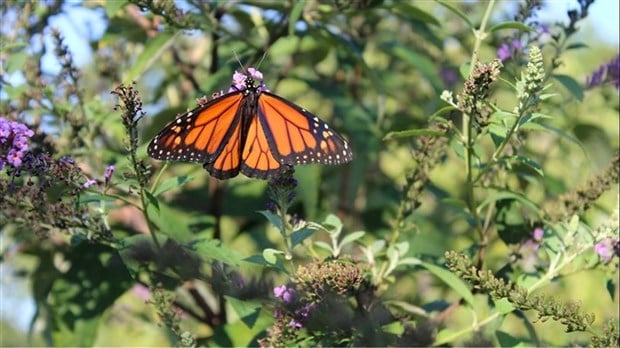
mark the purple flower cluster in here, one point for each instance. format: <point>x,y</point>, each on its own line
<point>506,51</point>
<point>299,315</point>
<point>240,80</point>
<point>607,248</point>
<point>107,176</point>
<point>284,293</point>
<point>606,73</point>
<point>13,142</point>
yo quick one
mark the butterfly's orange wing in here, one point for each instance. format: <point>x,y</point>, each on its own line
<point>298,136</point>
<point>210,133</point>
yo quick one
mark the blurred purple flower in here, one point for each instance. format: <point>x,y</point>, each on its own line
<point>517,45</point>
<point>239,80</point>
<point>256,74</point>
<point>606,73</point>
<point>535,241</point>
<point>286,294</point>
<point>13,142</point>
<point>538,234</point>
<point>294,323</point>
<point>604,250</point>
<point>90,182</point>
<point>107,175</point>
<point>449,76</point>
<point>503,52</point>
<point>141,291</point>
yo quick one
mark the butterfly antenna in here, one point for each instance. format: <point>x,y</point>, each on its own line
<point>238,60</point>
<point>261,60</point>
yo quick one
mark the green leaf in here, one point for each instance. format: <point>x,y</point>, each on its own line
<point>571,85</point>
<point>153,49</point>
<point>172,183</point>
<point>300,235</point>
<point>350,238</point>
<point>274,219</point>
<point>215,250</point>
<point>610,285</point>
<point>112,7</point>
<point>410,261</point>
<point>333,223</point>
<point>530,164</point>
<point>504,306</point>
<point>456,11</point>
<point>506,340</point>
<point>420,62</point>
<point>452,280</point>
<point>247,311</point>
<point>440,112</point>
<point>464,70</point>
<point>95,279</point>
<point>499,195</point>
<point>415,13</point>
<point>395,328</point>
<point>576,45</point>
<point>324,246</point>
<point>270,255</point>
<point>296,12</point>
<point>151,199</point>
<point>169,221</point>
<point>260,260</point>
<point>413,133</point>
<point>511,25</point>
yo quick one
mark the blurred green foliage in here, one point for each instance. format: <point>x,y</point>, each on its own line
<point>450,155</point>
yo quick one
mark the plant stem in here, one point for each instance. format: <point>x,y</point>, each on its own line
<point>480,35</point>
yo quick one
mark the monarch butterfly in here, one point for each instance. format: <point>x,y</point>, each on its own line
<point>249,130</point>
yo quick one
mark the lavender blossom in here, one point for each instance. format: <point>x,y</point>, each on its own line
<point>503,52</point>
<point>604,250</point>
<point>107,175</point>
<point>13,142</point>
<point>606,73</point>
<point>90,182</point>
<point>286,294</point>
<point>240,80</point>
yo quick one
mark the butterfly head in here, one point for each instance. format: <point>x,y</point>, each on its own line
<point>248,80</point>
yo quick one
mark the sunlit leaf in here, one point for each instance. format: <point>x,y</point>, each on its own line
<point>449,5</point>
<point>172,183</point>
<point>452,280</point>
<point>511,25</point>
<point>247,311</point>
<point>571,85</point>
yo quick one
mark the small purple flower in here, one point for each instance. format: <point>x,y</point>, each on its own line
<point>538,234</point>
<point>66,161</point>
<point>90,182</point>
<point>240,80</point>
<point>256,74</point>
<point>107,175</point>
<point>270,205</point>
<point>503,52</point>
<point>517,45</point>
<point>295,324</point>
<point>606,73</point>
<point>286,294</point>
<point>604,250</point>
<point>15,158</point>
<point>449,76</point>
<point>13,142</point>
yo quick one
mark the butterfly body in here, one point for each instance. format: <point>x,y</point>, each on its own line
<point>249,130</point>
